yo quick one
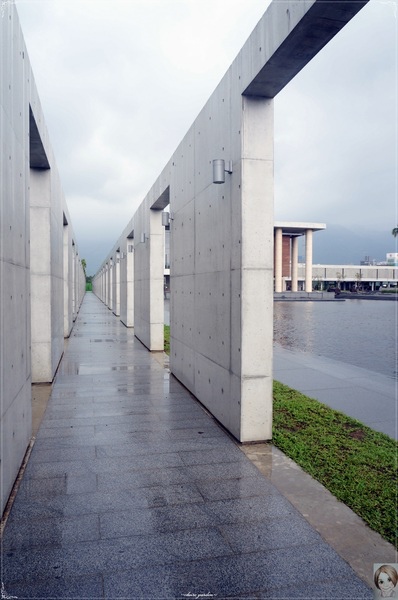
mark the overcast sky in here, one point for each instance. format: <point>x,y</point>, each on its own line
<point>121,82</point>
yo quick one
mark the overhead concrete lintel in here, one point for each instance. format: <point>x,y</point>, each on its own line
<point>38,157</point>
<point>162,201</point>
<point>323,20</point>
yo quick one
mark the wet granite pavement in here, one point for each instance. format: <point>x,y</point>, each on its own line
<point>132,490</point>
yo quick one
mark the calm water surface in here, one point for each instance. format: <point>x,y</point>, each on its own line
<point>358,332</point>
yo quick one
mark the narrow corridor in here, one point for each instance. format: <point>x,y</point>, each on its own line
<point>133,491</point>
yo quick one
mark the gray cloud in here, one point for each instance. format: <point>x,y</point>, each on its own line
<point>336,134</point>
<point>122,81</point>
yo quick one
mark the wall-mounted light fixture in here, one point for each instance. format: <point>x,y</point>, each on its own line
<point>166,218</point>
<point>220,167</point>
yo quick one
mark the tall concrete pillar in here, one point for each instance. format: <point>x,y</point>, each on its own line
<point>156,282</point>
<point>106,285</point>
<point>127,283</point>
<point>102,284</point>
<point>253,333</point>
<point>73,266</point>
<point>130,286</point>
<point>149,275</point>
<point>308,260</point>
<point>294,272</point>
<point>47,274</point>
<point>116,285</point>
<point>77,283</point>
<point>68,280</point>
<point>40,274</point>
<point>110,284</point>
<point>278,259</point>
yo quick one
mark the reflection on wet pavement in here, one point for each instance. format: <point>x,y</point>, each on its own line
<point>132,490</point>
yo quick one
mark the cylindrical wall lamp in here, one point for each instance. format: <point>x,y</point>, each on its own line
<point>219,170</point>
<point>167,217</point>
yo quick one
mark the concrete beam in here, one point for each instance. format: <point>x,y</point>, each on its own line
<point>38,157</point>
<point>305,28</point>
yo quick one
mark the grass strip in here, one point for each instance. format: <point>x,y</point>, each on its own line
<point>355,463</point>
<point>167,339</point>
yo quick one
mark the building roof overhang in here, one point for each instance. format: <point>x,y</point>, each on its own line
<point>293,228</point>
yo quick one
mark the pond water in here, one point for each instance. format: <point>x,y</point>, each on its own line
<point>358,332</point>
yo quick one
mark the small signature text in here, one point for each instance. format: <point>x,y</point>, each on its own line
<point>200,595</point>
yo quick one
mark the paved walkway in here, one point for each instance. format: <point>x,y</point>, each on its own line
<point>133,491</point>
<point>365,395</point>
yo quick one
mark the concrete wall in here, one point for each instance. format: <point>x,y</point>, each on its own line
<point>15,360</point>
<point>35,306</point>
<point>221,236</point>
<point>221,263</point>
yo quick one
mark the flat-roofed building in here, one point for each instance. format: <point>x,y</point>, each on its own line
<point>286,257</point>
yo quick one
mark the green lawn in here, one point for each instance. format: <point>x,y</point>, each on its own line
<point>357,464</point>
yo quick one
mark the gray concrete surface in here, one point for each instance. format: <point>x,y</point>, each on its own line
<point>364,395</point>
<point>41,276</point>
<point>221,236</point>
<point>132,490</point>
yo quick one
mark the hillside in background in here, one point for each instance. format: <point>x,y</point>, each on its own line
<point>339,245</point>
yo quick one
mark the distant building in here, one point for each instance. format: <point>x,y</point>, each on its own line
<point>298,274</point>
<point>392,259</point>
<point>286,236</point>
<point>367,278</point>
<point>367,261</point>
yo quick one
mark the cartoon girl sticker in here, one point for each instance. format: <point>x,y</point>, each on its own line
<point>386,579</point>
